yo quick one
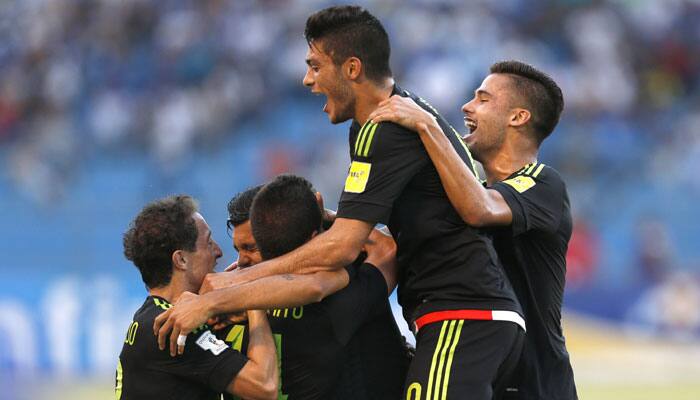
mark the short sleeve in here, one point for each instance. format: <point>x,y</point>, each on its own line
<point>363,299</point>
<point>206,359</point>
<point>384,158</point>
<point>536,197</point>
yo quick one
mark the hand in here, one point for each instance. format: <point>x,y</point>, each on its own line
<point>380,248</point>
<point>188,312</point>
<point>220,280</point>
<point>403,111</point>
<point>222,321</point>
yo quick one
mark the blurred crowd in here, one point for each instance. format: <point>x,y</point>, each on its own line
<point>84,78</point>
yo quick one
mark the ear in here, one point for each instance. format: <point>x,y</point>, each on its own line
<point>179,259</point>
<point>319,200</point>
<point>519,117</point>
<point>352,68</point>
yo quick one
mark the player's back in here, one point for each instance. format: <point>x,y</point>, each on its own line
<point>146,372</point>
<point>345,347</point>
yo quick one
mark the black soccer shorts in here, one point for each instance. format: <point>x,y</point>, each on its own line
<point>463,359</point>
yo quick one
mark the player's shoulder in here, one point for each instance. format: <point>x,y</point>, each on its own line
<point>374,137</point>
<point>151,308</point>
<point>535,174</point>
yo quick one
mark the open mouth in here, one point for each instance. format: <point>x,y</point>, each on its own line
<point>325,105</point>
<point>470,124</point>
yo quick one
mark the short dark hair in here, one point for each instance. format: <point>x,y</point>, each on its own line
<point>239,206</point>
<point>351,31</point>
<point>542,95</point>
<point>161,228</point>
<point>284,215</point>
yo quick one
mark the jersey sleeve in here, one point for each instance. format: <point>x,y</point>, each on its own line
<point>363,299</point>
<point>206,359</point>
<point>536,198</point>
<point>384,158</point>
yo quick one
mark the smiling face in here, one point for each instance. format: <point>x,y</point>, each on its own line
<point>487,116</point>
<point>324,77</point>
<point>203,259</point>
<point>244,243</point>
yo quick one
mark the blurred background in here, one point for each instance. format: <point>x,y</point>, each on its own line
<point>106,105</point>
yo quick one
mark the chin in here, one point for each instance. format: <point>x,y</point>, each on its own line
<point>338,119</point>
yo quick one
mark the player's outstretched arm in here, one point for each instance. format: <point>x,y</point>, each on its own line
<point>329,251</point>
<point>278,291</point>
<point>476,205</point>
<point>259,378</point>
<point>287,290</point>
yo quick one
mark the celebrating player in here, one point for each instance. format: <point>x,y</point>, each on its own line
<point>512,112</point>
<point>345,346</point>
<point>171,245</point>
<point>451,285</point>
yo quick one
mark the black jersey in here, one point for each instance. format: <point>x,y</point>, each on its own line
<point>533,252</point>
<point>203,371</point>
<point>444,264</point>
<point>346,346</point>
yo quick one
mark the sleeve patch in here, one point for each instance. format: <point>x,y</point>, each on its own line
<point>208,341</point>
<point>520,183</point>
<point>358,176</point>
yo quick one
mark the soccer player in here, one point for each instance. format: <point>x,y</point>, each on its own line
<point>238,225</point>
<point>171,245</point>
<point>347,346</point>
<point>513,111</point>
<point>452,288</point>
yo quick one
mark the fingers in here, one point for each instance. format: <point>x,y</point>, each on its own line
<point>160,321</point>
<point>162,332</point>
<point>232,267</point>
<point>178,338</point>
<point>174,347</point>
<point>381,114</point>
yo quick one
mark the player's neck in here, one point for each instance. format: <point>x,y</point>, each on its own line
<point>509,159</point>
<point>368,97</point>
<point>169,292</point>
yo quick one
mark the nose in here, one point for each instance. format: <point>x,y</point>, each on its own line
<point>217,250</point>
<point>243,260</point>
<point>308,79</point>
<point>468,107</point>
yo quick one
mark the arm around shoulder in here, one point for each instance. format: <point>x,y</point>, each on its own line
<point>259,378</point>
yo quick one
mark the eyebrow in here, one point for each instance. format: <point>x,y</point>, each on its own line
<point>482,92</point>
<point>308,62</point>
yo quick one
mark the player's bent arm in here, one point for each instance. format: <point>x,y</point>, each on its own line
<point>259,377</point>
<point>331,250</point>
<point>287,290</point>
<point>476,205</point>
<point>381,253</point>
